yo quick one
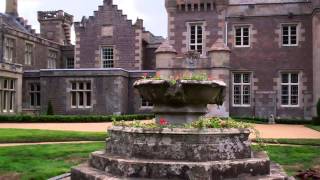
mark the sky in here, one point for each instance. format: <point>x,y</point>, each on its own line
<point>151,11</point>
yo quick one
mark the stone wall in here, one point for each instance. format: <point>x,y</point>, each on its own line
<point>266,58</point>
<point>112,91</point>
<point>40,50</point>
<point>108,27</point>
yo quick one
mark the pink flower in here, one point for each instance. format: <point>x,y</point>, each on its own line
<point>163,122</point>
<point>145,74</point>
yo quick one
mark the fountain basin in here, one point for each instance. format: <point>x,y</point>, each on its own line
<point>183,101</point>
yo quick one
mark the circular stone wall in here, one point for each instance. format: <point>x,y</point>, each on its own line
<point>179,144</point>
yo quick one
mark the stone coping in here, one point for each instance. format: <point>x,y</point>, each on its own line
<point>204,82</point>
<point>180,131</point>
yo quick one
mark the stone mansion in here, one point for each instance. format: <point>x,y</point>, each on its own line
<point>268,53</point>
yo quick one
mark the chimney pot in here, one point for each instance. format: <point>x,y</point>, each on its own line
<point>12,7</point>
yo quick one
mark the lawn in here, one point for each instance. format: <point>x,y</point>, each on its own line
<point>294,159</point>
<point>29,136</point>
<point>44,161</point>
<point>317,128</point>
<point>307,142</point>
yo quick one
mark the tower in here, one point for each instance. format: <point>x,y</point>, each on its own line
<point>56,26</point>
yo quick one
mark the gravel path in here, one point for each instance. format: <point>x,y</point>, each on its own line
<point>266,131</point>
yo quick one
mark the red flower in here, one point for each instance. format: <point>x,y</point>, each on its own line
<point>145,74</point>
<point>163,122</point>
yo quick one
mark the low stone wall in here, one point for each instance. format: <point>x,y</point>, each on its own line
<point>180,144</point>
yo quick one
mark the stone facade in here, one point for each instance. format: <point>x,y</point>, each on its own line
<point>265,59</point>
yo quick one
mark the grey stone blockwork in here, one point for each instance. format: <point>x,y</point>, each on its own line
<point>112,91</point>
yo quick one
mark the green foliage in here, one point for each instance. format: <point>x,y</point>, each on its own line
<point>211,123</point>
<point>70,119</point>
<point>257,120</point>
<point>50,109</point>
<point>318,108</point>
<point>35,136</point>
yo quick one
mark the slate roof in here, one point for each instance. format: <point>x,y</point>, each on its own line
<point>15,23</point>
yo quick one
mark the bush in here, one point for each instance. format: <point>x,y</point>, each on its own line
<point>316,120</point>
<point>70,119</point>
<point>265,121</point>
<point>318,108</point>
<point>50,109</point>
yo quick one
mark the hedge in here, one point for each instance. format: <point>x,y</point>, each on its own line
<point>71,119</point>
<point>278,121</point>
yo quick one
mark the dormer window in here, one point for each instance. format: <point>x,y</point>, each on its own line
<point>196,37</point>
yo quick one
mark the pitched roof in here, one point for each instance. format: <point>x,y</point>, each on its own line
<point>15,23</point>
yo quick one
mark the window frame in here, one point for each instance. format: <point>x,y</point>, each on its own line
<point>9,50</point>
<point>36,94</point>
<point>146,104</point>
<point>52,59</point>
<point>28,53</point>
<point>242,26</point>
<point>196,44</point>
<point>107,60</point>
<point>289,84</point>
<point>68,64</point>
<point>7,95</point>
<point>85,91</point>
<point>290,35</point>
<point>242,84</point>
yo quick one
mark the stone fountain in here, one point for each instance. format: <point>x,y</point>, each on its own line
<point>178,153</point>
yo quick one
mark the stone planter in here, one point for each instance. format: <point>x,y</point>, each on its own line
<point>183,101</point>
<point>179,144</point>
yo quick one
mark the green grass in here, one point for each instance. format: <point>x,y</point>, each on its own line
<point>307,142</point>
<point>294,159</point>
<point>29,136</point>
<point>314,127</point>
<point>44,161</point>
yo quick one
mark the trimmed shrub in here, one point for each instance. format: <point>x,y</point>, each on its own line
<point>316,120</point>
<point>265,121</point>
<point>71,119</point>
<point>50,109</point>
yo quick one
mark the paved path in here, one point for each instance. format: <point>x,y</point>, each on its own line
<point>266,131</point>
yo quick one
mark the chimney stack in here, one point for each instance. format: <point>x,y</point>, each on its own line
<point>12,7</point>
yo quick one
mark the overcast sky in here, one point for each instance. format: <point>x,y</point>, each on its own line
<point>151,11</point>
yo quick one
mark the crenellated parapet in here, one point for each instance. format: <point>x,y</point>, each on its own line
<point>55,15</point>
<point>195,5</point>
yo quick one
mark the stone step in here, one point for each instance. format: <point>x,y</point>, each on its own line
<point>85,172</point>
<point>146,168</point>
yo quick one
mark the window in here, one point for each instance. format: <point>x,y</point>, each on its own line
<point>7,95</point>
<point>34,91</point>
<point>290,89</point>
<point>52,59</point>
<point>9,45</point>
<point>289,35</point>
<point>70,63</point>
<point>28,54</point>
<point>107,57</point>
<point>146,104</point>
<point>242,36</point>
<point>81,95</point>
<point>241,89</point>
<point>196,37</point>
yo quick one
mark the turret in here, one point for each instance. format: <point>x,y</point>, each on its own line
<point>56,26</point>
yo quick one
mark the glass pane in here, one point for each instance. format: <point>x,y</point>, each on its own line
<point>285,90</point>
<point>294,90</point>
<point>246,100</point>
<point>237,90</point>
<point>285,78</point>
<point>285,100</point>
<point>38,99</point>
<point>81,86</point>
<point>246,90</point>
<point>246,78</point>
<point>294,78</point>
<point>81,99</point>
<point>74,86</point>
<point>88,86</point>
<point>88,98</point>
<point>32,99</point>
<point>294,100</point>
<point>74,98</point>
<point>238,32</point>
<point>237,78</point>
<point>237,99</point>
<point>246,41</point>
